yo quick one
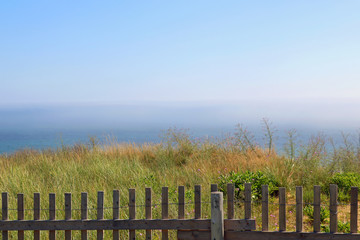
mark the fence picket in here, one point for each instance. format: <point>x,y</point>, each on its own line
<point>20,207</point>
<point>116,212</point>
<point>317,208</point>
<point>84,213</point>
<point>181,202</point>
<point>265,207</point>
<point>354,210</point>
<point>333,208</point>
<point>36,214</point>
<point>247,200</point>
<point>68,215</point>
<point>197,201</point>
<point>5,216</point>
<point>132,211</point>
<point>52,214</point>
<point>100,213</point>
<point>165,210</point>
<point>282,209</point>
<point>148,210</point>
<point>214,188</point>
<point>299,209</point>
<point>230,200</point>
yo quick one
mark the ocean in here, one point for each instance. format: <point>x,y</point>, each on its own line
<point>13,140</point>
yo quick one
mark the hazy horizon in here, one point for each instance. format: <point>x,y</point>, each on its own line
<point>127,65</point>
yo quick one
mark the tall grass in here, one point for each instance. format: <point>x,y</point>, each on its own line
<point>179,159</point>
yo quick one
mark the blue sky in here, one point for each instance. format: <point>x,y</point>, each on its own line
<point>276,59</point>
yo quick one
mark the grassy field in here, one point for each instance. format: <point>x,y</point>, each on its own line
<point>178,160</point>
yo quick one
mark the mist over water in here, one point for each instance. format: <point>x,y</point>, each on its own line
<point>42,127</point>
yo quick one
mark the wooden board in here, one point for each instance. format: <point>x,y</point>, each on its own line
<point>107,224</point>
<point>234,235</point>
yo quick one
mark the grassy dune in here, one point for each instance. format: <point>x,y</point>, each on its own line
<point>178,160</point>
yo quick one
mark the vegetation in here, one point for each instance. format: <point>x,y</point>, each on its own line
<point>180,160</point>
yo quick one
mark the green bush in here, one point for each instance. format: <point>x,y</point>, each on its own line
<point>344,181</point>
<point>344,227</point>
<point>257,179</point>
<point>324,213</point>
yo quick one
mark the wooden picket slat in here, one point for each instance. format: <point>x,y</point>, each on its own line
<point>36,214</point>
<point>181,201</point>
<point>165,210</point>
<point>265,207</point>
<point>282,209</point>
<point>84,213</point>
<point>333,208</point>
<point>100,213</point>
<point>247,200</point>
<point>5,215</point>
<point>148,210</point>
<point>214,188</point>
<point>20,210</point>
<point>299,209</point>
<point>116,211</point>
<point>132,210</point>
<point>68,214</point>
<point>317,208</point>
<point>52,213</point>
<point>354,210</point>
<point>197,201</point>
<point>230,200</point>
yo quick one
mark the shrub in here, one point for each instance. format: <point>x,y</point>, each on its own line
<point>344,181</point>
<point>257,179</point>
<point>324,213</point>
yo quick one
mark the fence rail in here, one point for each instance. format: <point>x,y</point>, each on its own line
<point>218,227</point>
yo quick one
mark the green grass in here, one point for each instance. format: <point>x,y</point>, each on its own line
<point>179,160</point>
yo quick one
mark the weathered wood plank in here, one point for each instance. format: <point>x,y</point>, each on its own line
<point>317,202</point>
<point>354,210</point>
<point>282,209</point>
<point>52,214</point>
<point>116,211</point>
<point>181,200</point>
<point>288,235</point>
<point>299,209</point>
<point>4,200</point>
<point>230,200</point>
<point>36,213</point>
<point>68,214</point>
<point>100,213</point>
<point>20,210</point>
<point>84,213</point>
<point>235,235</point>
<point>197,201</point>
<point>333,208</point>
<point>265,207</point>
<point>165,210</point>
<point>214,188</point>
<point>148,210</point>
<point>135,224</point>
<point>247,200</point>
<point>132,211</point>
<point>217,216</point>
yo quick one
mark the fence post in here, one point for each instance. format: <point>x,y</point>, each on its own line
<point>354,210</point>
<point>333,208</point>
<point>217,216</point>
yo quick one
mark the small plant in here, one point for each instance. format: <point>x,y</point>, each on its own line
<point>344,182</point>
<point>257,179</point>
<point>324,214</point>
<point>344,227</point>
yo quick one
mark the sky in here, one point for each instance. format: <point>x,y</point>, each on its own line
<point>232,61</point>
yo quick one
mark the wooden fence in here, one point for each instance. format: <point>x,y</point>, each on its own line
<point>218,227</point>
